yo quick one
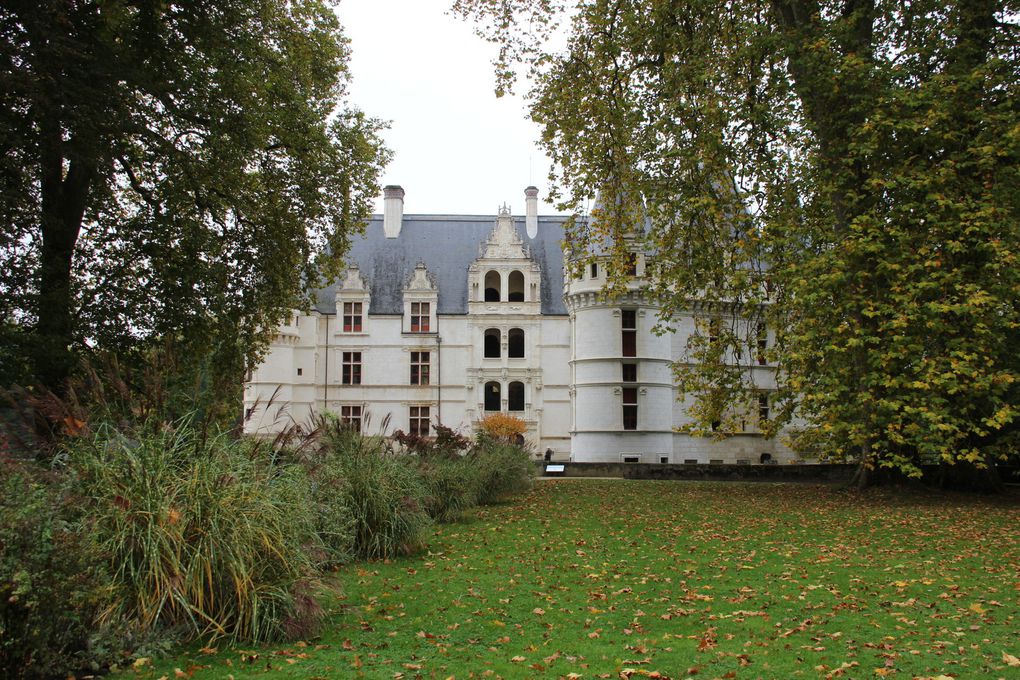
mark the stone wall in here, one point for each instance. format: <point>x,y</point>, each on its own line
<point>774,473</point>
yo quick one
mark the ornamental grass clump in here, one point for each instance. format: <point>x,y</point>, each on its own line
<point>385,492</point>
<point>502,468</point>
<point>209,535</point>
<point>453,485</point>
<point>451,480</point>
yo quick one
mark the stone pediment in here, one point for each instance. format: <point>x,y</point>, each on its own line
<point>504,243</point>
<point>420,280</point>
<point>353,281</point>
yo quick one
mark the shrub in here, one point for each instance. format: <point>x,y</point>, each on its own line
<point>503,469</point>
<point>447,443</point>
<point>51,591</point>
<point>502,427</point>
<point>386,492</point>
<point>211,535</point>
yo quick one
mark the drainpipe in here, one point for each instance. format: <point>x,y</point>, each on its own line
<point>439,373</point>
<point>325,378</point>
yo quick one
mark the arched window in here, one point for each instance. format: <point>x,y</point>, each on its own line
<point>516,343</point>
<point>493,396</point>
<point>492,286</point>
<point>515,395</point>
<point>516,285</point>
<point>492,343</point>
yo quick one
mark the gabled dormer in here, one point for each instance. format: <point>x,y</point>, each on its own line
<point>504,278</point>
<point>421,298</point>
<point>353,297</point>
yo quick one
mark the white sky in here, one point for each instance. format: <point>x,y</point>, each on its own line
<point>457,148</point>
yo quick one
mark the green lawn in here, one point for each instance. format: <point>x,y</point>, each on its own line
<point>605,579</point>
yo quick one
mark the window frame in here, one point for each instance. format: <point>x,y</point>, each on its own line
<point>498,398</point>
<point>510,344</point>
<point>628,334</point>
<point>353,320</point>
<point>629,401</point>
<point>418,417</point>
<point>350,368</point>
<point>498,335</point>
<point>511,294</point>
<point>510,397</point>
<point>348,417</point>
<point>629,372</point>
<point>763,407</point>
<point>421,317</point>
<point>421,365</point>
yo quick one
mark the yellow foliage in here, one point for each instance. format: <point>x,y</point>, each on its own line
<point>502,426</point>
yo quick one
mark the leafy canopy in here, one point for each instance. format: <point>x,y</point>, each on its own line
<point>843,170</point>
<point>171,170</point>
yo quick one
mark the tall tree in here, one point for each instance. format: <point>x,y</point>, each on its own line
<point>170,170</point>
<point>847,170</point>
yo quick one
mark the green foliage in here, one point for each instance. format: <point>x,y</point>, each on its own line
<point>502,469</point>
<point>385,493</point>
<point>212,535</point>
<point>844,171</point>
<point>453,485</point>
<point>173,170</point>
<point>51,590</point>
<point>628,578</point>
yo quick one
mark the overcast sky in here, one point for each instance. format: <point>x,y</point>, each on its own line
<point>457,148</point>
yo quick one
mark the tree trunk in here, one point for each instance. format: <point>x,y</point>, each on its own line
<point>63,201</point>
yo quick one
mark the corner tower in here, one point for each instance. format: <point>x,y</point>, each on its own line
<point>622,395</point>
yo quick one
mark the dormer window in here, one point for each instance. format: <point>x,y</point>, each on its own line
<point>352,302</point>
<point>420,315</point>
<point>420,301</point>
<point>352,317</point>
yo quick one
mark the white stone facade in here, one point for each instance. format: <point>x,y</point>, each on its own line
<point>448,318</point>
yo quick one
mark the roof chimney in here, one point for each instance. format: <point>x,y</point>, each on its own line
<point>393,210</point>
<point>531,216</point>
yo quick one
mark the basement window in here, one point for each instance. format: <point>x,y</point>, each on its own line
<point>631,458</point>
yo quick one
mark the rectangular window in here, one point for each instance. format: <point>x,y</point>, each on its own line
<point>351,368</point>
<point>762,344</point>
<point>594,270</point>
<point>629,327</point>
<point>419,317</point>
<point>420,368</point>
<point>351,416</point>
<point>419,421</point>
<point>763,407</point>
<point>630,373</point>
<point>352,317</point>
<point>630,408</point>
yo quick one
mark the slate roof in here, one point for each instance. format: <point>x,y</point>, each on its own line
<point>447,244</point>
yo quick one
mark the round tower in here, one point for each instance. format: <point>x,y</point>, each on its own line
<point>622,388</point>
